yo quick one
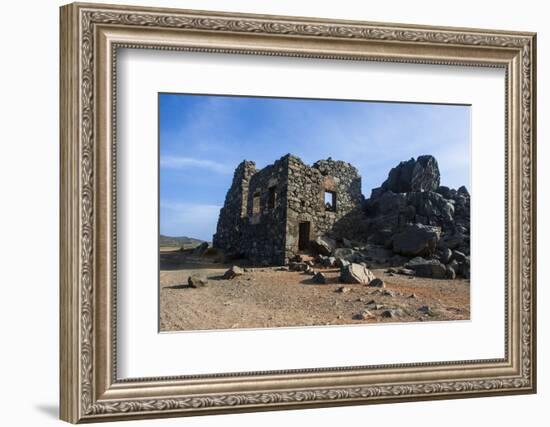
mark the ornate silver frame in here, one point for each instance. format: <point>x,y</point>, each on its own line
<point>90,36</point>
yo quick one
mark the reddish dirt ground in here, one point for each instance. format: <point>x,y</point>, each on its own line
<point>267,298</point>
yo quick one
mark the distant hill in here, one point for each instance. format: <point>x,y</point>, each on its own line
<point>185,241</point>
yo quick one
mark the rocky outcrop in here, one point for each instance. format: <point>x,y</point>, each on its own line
<point>421,174</point>
<point>412,215</point>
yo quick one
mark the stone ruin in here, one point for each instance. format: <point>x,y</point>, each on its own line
<point>272,215</point>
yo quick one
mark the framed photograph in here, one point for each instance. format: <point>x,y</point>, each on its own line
<point>266,212</point>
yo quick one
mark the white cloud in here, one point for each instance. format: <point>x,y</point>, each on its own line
<point>175,162</point>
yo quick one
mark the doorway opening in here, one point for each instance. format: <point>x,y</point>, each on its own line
<point>303,235</point>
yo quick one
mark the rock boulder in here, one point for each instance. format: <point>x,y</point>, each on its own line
<point>427,268</point>
<point>416,240</point>
<point>196,281</point>
<point>233,272</point>
<point>323,245</point>
<point>356,274</point>
<point>319,278</point>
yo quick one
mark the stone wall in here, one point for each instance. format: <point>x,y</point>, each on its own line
<point>263,209</point>
<point>232,219</point>
<point>252,221</point>
<point>306,197</point>
<point>263,238</point>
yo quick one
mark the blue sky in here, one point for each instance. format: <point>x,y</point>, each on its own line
<point>203,138</point>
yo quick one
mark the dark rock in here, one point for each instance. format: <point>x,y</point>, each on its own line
<point>200,249</point>
<point>425,309</point>
<point>445,255</point>
<point>463,191</point>
<point>376,192</point>
<point>464,268</point>
<point>319,278</point>
<point>459,256</point>
<point>416,240</point>
<point>431,207</point>
<point>233,272</point>
<point>454,265</point>
<point>329,262</point>
<point>196,281</point>
<point>380,235</point>
<point>405,271</point>
<point>347,243</point>
<point>341,263</point>
<point>398,260</point>
<point>446,192</point>
<point>320,258</point>
<point>377,253</point>
<point>345,253</point>
<point>388,293</point>
<point>373,305</point>
<point>427,268</point>
<point>421,174</point>
<point>389,202</point>
<point>343,289</point>
<point>364,315</point>
<point>452,241</point>
<point>297,266</point>
<point>356,274</point>
<point>377,283</point>
<point>300,258</point>
<point>323,245</point>
<point>392,313</point>
<point>450,272</point>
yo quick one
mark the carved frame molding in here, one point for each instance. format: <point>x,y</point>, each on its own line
<point>90,36</point>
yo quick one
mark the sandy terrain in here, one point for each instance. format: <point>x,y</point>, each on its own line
<point>266,297</point>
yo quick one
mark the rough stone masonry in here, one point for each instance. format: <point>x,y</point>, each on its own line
<point>272,214</point>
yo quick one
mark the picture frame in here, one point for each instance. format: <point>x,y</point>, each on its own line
<point>91,35</point>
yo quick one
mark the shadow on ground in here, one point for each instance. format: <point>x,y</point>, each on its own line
<point>50,410</point>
